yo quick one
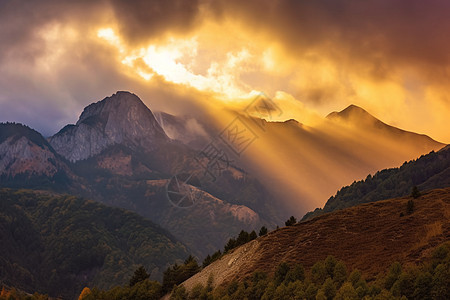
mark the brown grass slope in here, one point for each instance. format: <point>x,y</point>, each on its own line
<point>369,237</point>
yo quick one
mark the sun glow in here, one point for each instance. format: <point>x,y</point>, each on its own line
<point>230,70</point>
<point>109,35</point>
<point>177,62</point>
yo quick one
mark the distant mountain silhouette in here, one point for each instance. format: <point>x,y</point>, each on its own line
<point>303,165</point>
<point>356,116</point>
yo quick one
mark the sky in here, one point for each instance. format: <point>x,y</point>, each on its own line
<point>390,57</point>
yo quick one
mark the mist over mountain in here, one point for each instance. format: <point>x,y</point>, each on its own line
<point>187,130</point>
<point>303,165</point>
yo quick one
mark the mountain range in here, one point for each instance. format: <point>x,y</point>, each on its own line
<point>119,154</point>
<point>307,164</point>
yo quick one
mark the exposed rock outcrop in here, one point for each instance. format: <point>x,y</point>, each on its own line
<point>120,119</point>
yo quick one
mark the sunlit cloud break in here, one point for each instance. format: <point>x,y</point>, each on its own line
<point>174,61</point>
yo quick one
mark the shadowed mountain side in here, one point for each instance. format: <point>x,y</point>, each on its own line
<point>369,237</point>
<point>204,225</point>
<point>28,160</point>
<point>58,244</point>
<point>137,181</point>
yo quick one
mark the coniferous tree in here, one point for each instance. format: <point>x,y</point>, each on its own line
<point>211,258</point>
<point>263,231</point>
<point>139,275</point>
<point>231,244</point>
<point>207,261</point>
<point>410,207</point>
<point>415,192</point>
<point>329,288</point>
<point>339,273</point>
<point>281,272</point>
<point>294,274</point>
<point>243,238</point>
<point>292,220</point>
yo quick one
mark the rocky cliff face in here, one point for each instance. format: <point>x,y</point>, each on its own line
<point>120,119</point>
<point>25,151</point>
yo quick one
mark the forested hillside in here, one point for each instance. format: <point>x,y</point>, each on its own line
<point>430,171</point>
<point>327,279</point>
<point>59,244</point>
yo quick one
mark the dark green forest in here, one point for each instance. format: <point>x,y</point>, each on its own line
<point>59,244</point>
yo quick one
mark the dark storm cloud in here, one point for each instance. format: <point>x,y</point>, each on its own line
<point>392,31</point>
<point>139,20</point>
<point>412,29</point>
<point>404,30</point>
<point>20,20</point>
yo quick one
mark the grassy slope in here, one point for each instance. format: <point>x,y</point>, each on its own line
<point>368,237</point>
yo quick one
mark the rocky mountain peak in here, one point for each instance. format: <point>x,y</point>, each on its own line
<point>119,102</point>
<point>120,119</point>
